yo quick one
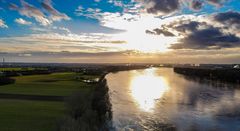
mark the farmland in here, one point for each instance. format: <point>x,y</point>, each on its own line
<point>41,115</point>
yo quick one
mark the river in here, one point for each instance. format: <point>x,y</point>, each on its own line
<point>153,98</point>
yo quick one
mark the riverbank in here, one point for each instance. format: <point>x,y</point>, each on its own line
<point>88,111</point>
<point>81,92</point>
<point>222,74</point>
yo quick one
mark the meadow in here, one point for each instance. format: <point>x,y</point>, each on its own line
<point>40,115</point>
<point>56,84</point>
<point>24,115</point>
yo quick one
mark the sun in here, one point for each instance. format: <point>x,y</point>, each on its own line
<point>141,84</point>
<point>147,43</point>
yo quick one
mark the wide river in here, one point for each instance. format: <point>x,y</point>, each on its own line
<point>152,98</point>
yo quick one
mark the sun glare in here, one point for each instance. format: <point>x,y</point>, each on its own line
<point>146,88</point>
<point>147,43</point>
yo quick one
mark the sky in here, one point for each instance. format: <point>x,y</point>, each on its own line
<point>120,31</point>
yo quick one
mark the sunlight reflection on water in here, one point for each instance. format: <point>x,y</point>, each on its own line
<point>146,88</point>
<point>157,97</point>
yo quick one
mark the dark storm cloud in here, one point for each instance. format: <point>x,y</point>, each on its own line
<point>180,26</point>
<point>188,27</point>
<point>200,35</point>
<point>207,38</point>
<point>158,31</point>
<point>196,5</point>
<point>161,6</point>
<point>228,18</point>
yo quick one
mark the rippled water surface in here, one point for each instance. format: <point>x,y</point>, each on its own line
<point>157,97</point>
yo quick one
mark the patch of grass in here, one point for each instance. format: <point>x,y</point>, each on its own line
<point>20,69</point>
<point>58,84</point>
<point>10,69</point>
<point>21,115</point>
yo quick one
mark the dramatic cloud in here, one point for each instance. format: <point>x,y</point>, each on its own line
<point>209,38</point>
<point>55,15</point>
<point>229,18</point>
<point>161,6</point>
<point>200,35</point>
<point>31,12</point>
<point>22,21</point>
<point>196,5</point>
<point>160,32</point>
<point>204,33</point>
<point>2,24</point>
<point>164,7</point>
<point>190,26</point>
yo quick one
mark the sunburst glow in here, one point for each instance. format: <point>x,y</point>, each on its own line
<point>136,40</point>
<point>143,90</point>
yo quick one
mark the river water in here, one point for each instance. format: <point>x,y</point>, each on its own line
<point>157,97</point>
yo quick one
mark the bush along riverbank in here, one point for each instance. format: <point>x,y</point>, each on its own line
<point>83,115</point>
<point>222,74</point>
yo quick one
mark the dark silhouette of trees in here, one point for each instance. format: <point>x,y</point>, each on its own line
<point>223,74</point>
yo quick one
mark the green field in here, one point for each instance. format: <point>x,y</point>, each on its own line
<point>29,115</point>
<point>58,84</point>
<point>20,69</point>
<point>21,115</point>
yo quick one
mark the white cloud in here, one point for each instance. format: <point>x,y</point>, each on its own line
<point>116,2</point>
<point>82,38</point>
<point>22,21</point>
<point>33,12</point>
<point>56,42</point>
<point>55,14</point>
<point>2,24</point>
